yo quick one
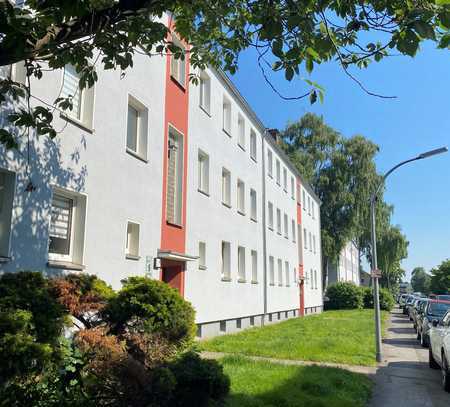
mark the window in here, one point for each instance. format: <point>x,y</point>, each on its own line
<point>298,194</point>
<point>178,65</point>
<point>293,230</point>
<point>137,128</point>
<point>132,244</point>
<point>285,179</point>
<point>271,270</point>
<point>315,279</point>
<point>253,144</point>
<point>314,244</point>
<point>241,197</point>
<point>226,261</point>
<point>305,238</point>
<point>278,172</point>
<point>205,92</point>
<point>254,256</point>
<point>269,163</point>
<point>174,181</point>
<point>286,227</point>
<point>270,210</point>
<point>202,255</point>
<point>241,263</point>
<point>280,272</point>
<point>67,220</point>
<point>7,187</point>
<point>241,131</point>
<point>304,200</point>
<point>226,187</point>
<point>253,203</point>
<point>226,125</point>
<point>292,188</point>
<point>309,205</point>
<point>82,99</point>
<point>286,272</point>
<point>310,242</point>
<point>278,221</point>
<point>203,172</point>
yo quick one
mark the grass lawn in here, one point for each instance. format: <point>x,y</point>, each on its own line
<point>264,384</point>
<point>333,336</point>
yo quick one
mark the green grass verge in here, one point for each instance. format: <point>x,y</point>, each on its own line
<point>264,384</point>
<point>333,336</point>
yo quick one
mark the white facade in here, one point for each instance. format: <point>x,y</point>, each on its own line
<point>347,268</point>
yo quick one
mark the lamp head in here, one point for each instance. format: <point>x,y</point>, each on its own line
<point>432,152</point>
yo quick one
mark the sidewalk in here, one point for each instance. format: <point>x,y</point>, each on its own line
<point>404,379</point>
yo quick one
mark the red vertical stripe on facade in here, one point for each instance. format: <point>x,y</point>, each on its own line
<point>300,265</point>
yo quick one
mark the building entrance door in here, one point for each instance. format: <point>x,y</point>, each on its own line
<point>174,276</point>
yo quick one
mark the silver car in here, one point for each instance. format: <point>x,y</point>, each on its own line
<point>439,351</point>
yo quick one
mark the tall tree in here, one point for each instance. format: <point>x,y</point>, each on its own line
<point>290,36</point>
<point>420,280</point>
<point>440,278</point>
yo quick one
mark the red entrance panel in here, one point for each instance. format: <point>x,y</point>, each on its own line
<point>174,276</point>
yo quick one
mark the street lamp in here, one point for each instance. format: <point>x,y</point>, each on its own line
<point>375,275</point>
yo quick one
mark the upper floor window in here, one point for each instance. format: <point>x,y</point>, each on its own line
<point>285,179</point>
<point>202,255</point>
<point>309,205</point>
<point>310,242</point>
<point>226,116</point>
<point>254,256</point>
<point>270,210</point>
<point>7,187</point>
<point>241,263</point>
<point>82,99</point>
<point>286,226</point>
<point>226,261</point>
<point>279,221</point>
<point>312,209</point>
<point>304,200</point>
<point>253,203</point>
<point>178,65</point>
<point>253,144</point>
<point>137,128</point>
<point>205,92</point>
<point>271,270</point>
<point>278,169</point>
<point>314,244</point>
<point>174,187</point>
<point>292,188</point>
<point>269,163</point>
<point>241,131</point>
<point>298,193</point>
<point>305,238</point>
<point>241,197</point>
<point>280,272</point>
<point>226,187</point>
<point>203,172</point>
<point>293,230</point>
<point>286,272</point>
<point>132,244</point>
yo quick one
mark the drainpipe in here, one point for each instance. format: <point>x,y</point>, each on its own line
<point>264,226</point>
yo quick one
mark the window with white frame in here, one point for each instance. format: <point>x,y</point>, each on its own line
<point>314,244</point>
<point>305,238</point>
<point>286,226</point>
<point>253,151</point>
<point>82,99</point>
<point>226,261</point>
<point>292,188</point>
<point>309,205</point>
<point>270,210</point>
<point>270,163</point>
<point>205,92</point>
<point>310,242</point>
<point>226,187</point>
<point>226,116</point>
<point>254,256</point>
<point>202,255</point>
<point>203,172</point>
<point>178,65</point>
<point>280,272</point>
<point>137,128</point>
<point>253,205</point>
<point>241,131</point>
<point>278,221</point>
<point>241,263</point>
<point>132,243</point>
<point>67,222</point>
<point>271,270</point>
<point>286,272</point>
<point>7,187</point>
<point>304,200</point>
<point>241,196</point>
<point>278,170</point>
<point>315,279</point>
<point>285,179</point>
<point>293,230</point>
<point>174,180</point>
<point>313,209</point>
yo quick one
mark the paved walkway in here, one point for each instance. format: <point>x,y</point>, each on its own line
<point>404,378</point>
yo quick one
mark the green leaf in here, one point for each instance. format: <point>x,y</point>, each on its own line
<point>424,29</point>
<point>445,41</point>
<point>309,65</point>
<point>442,2</point>
<point>313,53</point>
<point>289,73</point>
<point>445,19</point>
<point>313,97</point>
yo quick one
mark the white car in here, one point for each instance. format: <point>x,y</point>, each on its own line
<point>439,351</point>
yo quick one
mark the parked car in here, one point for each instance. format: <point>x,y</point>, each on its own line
<point>412,308</point>
<point>435,309</point>
<point>402,300</point>
<point>409,302</point>
<point>418,310</point>
<point>445,297</point>
<point>439,351</point>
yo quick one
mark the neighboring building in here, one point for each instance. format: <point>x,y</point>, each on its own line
<point>347,268</point>
<point>365,278</point>
<point>153,176</point>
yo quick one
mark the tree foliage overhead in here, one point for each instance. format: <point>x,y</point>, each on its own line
<point>440,278</point>
<point>290,36</point>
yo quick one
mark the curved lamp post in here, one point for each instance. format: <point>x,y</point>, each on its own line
<point>375,273</point>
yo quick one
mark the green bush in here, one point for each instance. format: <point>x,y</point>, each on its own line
<point>386,299</point>
<point>344,295</point>
<point>200,382</point>
<point>151,306</point>
<point>367,297</point>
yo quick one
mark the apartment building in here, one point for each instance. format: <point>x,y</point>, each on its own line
<point>347,267</point>
<point>151,175</point>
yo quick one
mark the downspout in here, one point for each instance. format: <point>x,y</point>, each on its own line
<point>264,227</point>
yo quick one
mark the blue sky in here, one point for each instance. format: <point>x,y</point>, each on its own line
<point>418,120</point>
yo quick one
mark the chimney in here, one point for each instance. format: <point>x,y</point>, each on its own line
<point>275,133</point>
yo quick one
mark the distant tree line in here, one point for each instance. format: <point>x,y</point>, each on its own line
<point>437,281</point>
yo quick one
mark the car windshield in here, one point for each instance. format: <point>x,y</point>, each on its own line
<point>438,309</point>
<point>444,297</point>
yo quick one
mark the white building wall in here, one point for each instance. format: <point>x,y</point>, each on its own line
<point>118,186</point>
<point>348,267</point>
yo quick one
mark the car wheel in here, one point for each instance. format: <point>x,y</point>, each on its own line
<point>424,341</point>
<point>431,361</point>
<point>445,374</point>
